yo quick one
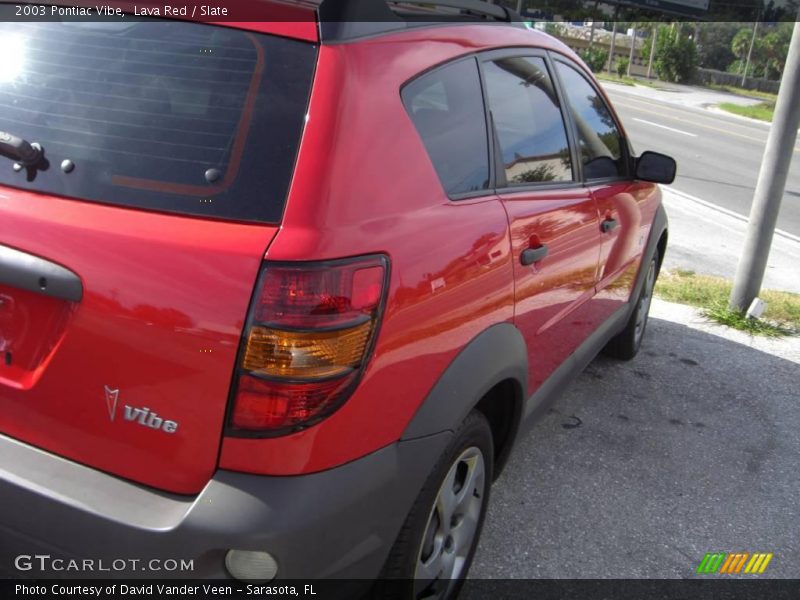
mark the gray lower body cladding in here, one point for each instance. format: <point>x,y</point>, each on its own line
<point>336,523</point>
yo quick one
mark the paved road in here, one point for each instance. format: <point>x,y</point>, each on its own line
<point>718,156</point>
<point>643,467</point>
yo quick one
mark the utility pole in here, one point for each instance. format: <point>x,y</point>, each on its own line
<point>652,51</point>
<point>750,51</point>
<point>771,183</point>
<point>613,42</point>
<point>633,48</point>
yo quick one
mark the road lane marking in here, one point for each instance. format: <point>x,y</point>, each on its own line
<point>701,113</point>
<point>695,123</point>
<point>665,127</point>
<point>729,212</point>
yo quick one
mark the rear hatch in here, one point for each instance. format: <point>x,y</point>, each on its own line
<point>130,249</point>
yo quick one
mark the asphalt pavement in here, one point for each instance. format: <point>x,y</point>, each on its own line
<point>643,467</point>
<point>718,154</point>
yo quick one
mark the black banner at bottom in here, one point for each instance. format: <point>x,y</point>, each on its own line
<point>717,588</point>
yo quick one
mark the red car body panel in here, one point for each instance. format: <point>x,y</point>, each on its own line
<point>447,258</point>
<point>633,204</point>
<point>177,308</point>
<point>165,298</point>
<point>552,296</point>
<point>347,200</point>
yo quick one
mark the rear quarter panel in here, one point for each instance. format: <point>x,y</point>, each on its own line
<point>364,184</point>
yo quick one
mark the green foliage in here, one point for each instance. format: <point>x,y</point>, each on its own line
<point>725,316</point>
<point>782,316</point>
<point>595,58</point>
<point>622,67</point>
<point>714,45</point>
<point>676,55</point>
<point>769,50</point>
<point>543,172</point>
<point>552,29</point>
<point>763,111</point>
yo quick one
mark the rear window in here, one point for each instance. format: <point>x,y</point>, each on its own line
<point>169,116</point>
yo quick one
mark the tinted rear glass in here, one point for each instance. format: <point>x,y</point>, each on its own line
<point>170,116</point>
<point>446,107</point>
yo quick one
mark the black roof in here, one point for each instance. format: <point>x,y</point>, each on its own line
<point>342,20</point>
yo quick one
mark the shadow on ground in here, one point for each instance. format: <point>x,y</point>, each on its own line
<point>643,467</point>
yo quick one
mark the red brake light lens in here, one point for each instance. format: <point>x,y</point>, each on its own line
<point>318,296</point>
<point>264,405</point>
<point>307,341</point>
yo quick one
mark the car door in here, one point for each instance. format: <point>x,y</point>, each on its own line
<point>605,159</point>
<point>553,219</point>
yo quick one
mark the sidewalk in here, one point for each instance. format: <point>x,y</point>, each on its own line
<point>708,240</point>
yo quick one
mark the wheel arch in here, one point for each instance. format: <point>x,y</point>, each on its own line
<point>490,375</point>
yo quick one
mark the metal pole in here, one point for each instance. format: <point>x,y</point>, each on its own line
<point>749,53</point>
<point>771,182</point>
<point>594,24</point>
<point>652,51</point>
<point>519,7</point>
<point>613,40</point>
<point>633,48</point>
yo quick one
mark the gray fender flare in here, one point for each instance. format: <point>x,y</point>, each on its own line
<point>497,354</point>
<point>660,225</point>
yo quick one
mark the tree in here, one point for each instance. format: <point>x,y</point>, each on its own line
<point>714,45</point>
<point>769,50</point>
<point>675,55</point>
<point>595,58</point>
<point>622,66</point>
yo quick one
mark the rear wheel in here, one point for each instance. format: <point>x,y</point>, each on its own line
<point>627,343</point>
<point>434,550</point>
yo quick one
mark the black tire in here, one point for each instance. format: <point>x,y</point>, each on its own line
<point>626,344</point>
<point>424,536</point>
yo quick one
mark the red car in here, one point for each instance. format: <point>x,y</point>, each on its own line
<point>276,297</point>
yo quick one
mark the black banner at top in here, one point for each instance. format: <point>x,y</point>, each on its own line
<point>390,10</point>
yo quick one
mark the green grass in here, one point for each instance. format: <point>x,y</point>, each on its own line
<point>762,111</point>
<point>604,76</point>
<point>725,316</point>
<point>743,92</point>
<point>711,294</point>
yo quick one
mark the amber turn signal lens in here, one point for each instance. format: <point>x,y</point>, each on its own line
<point>307,342</point>
<point>305,355</point>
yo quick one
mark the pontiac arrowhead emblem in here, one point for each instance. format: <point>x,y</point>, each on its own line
<point>111,401</point>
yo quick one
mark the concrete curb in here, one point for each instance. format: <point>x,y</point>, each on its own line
<point>707,239</point>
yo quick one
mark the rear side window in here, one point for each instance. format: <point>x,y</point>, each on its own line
<point>164,115</point>
<point>528,121</point>
<point>446,107</point>
<point>598,136</point>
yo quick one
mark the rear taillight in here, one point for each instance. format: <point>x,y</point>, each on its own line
<point>308,337</point>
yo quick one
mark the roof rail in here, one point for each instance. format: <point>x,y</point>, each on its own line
<point>342,20</point>
<point>466,8</point>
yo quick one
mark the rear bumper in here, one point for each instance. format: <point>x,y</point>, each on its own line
<point>336,523</point>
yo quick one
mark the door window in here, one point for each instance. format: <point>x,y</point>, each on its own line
<point>599,138</point>
<point>528,121</point>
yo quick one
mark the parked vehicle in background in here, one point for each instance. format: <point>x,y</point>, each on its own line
<point>277,298</point>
